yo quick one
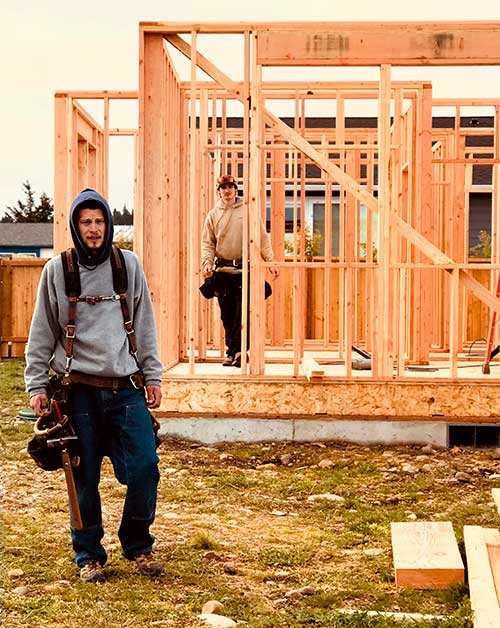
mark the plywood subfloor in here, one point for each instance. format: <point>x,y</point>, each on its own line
<point>279,363</point>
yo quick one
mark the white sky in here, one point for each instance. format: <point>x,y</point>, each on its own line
<point>64,45</point>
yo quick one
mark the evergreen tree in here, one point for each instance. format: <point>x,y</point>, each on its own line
<point>128,217</point>
<point>29,210</point>
<point>124,217</point>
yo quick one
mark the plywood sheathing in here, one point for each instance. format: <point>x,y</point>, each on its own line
<point>443,401</point>
<point>426,555</point>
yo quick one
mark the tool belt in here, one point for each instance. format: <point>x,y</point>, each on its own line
<point>136,380</point>
<point>232,263</point>
<point>53,431</point>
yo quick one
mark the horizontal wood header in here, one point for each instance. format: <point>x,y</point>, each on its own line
<point>473,43</point>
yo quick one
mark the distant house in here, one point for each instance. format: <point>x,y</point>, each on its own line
<point>28,238</point>
<point>37,238</point>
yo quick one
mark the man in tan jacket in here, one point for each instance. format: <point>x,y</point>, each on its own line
<point>221,253</point>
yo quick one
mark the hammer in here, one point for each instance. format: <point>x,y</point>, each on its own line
<point>64,442</point>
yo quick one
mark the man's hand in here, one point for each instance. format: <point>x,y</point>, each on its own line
<point>207,269</point>
<point>40,404</point>
<point>153,396</point>
<point>275,271</point>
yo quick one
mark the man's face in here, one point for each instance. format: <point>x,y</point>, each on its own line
<point>92,228</point>
<point>227,192</point>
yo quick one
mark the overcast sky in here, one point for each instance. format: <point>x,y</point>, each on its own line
<point>63,45</point>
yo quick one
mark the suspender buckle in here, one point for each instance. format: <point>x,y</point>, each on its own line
<point>129,327</point>
<point>71,331</point>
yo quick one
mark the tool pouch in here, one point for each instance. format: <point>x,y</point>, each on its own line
<point>209,287</point>
<point>47,458</point>
<point>51,433</point>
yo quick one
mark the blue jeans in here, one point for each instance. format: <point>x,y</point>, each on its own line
<point>115,424</point>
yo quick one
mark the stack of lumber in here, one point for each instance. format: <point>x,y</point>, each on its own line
<point>426,556</point>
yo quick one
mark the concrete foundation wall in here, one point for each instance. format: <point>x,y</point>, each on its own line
<point>217,430</point>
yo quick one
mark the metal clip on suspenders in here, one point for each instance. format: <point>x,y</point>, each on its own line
<point>73,290</point>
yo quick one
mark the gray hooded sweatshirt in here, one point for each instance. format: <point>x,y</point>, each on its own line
<point>101,346</point>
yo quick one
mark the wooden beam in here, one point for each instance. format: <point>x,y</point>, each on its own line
<point>149,215</point>
<point>382,359</point>
<point>374,44</point>
<point>426,555</point>
<point>194,185</point>
<point>62,171</point>
<point>98,94</point>
<point>256,320</point>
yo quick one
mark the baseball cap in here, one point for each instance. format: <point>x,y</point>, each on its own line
<point>227,178</point>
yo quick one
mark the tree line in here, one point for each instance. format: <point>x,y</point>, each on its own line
<point>29,209</point>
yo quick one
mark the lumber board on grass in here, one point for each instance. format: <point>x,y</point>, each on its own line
<point>426,555</point>
<point>311,368</point>
<point>492,538</point>
<point>483,595</point>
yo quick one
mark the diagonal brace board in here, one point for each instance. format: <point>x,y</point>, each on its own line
<point>337,174</point>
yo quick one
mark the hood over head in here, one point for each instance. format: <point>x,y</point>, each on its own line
<point>92,200</point>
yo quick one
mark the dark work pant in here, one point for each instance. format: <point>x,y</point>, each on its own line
<point>116,424</point>
<point>229,297</point>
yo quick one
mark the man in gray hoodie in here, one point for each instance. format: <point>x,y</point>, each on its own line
<point>111,387</point>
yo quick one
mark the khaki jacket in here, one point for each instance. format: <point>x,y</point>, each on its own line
<point>222,235</point>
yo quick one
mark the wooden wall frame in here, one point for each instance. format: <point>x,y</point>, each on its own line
<point>412,172</point>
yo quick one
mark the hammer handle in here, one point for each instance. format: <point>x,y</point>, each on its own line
<point>70,485</point>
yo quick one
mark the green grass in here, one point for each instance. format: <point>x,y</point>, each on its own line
<point>215,512</point>
<point>284,557</point>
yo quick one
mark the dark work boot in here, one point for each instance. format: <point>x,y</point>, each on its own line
<point>93,572</point>
<point>148,565</point>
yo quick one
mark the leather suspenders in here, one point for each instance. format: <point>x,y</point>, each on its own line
<point>73,289</point>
